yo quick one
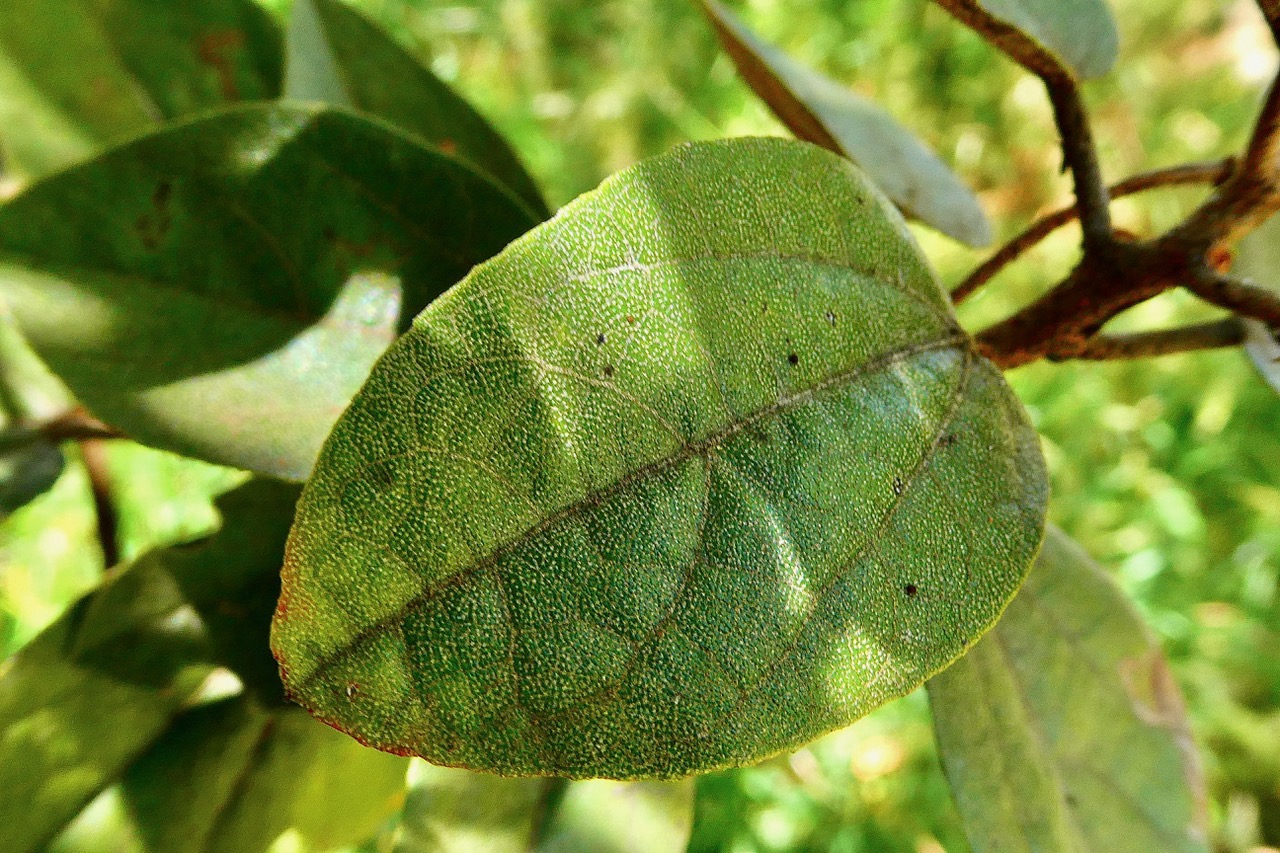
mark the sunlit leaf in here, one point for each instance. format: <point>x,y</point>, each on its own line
<point>689,475</point>
<point>825,113</point>
<point>80,702</point>
<point>457,811</point>
<point>1258,257</point>
<point>1081,33</point>
<point>337,56</point>
<point>77,76</point>
<point>221,288</point>
<point>1063,729</point>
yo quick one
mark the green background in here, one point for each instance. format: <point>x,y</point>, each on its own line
<point>1168,471</point>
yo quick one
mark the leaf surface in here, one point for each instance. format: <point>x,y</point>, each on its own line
<point>693,473</point>
<point>338,56</point>
<point>80,74</point>
<point>88,695</point>
<point>1063,729</point>
<point>221,288</point>
<point>457,811</point>
<point>1081,33</point>
<point>1258,257</point>
<point>821,111</point>
<point>29,466</point>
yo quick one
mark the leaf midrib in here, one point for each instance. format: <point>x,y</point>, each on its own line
<point>957,341</point>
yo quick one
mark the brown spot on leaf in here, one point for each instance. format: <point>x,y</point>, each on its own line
<point>215,49</point>
<point>600,339</point>
<point>898,486</point>
<point>793,359</point>
<point>910,589</point>
<point>448,146</point>
<point>608,371</point>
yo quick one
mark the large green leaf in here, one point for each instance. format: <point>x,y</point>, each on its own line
<point>1082,33</point>
<point>1063,729</point>
<point>85,698</point>
<point>222,288</point>
<point>79,74</point>
<point>691,474</point>
<point>337,56</point>
<point>821,111</point>
<point>457,811</point>
<point>29,466</point>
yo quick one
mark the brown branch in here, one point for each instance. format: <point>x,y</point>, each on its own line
<point>1271,11</point>
<point>76,425</point>
<point>1239,296</point>
<point>93,454</point>
<point>1228,332</point>
<point>1190,173</point>
<point>1079,152</point>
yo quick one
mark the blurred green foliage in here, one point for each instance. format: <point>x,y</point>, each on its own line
<point>1166,470</point>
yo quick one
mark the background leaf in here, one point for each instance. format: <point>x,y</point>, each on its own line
<point>457,811</point>
<point>691,474</point>
<point>337,56</point>
<point>1082,33</point>
<point>1063,729</point>
<point>221,288</point>
<point>85,698</point>
<point>76,76</point>
<point>821,111</point>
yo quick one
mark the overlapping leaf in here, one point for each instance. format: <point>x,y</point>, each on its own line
<point>78,75</point>
<point>91,693</point>
<point>1063,730</point>
<point>337,56</point>
<point>1081,33</point>
<point>691,474</point>
<point>29,466</point>
<point>221,288</point>
<point>457,811</point>
<point>821,111</point>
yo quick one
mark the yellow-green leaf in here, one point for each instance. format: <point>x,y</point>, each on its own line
<point>695,472</point>
<point>1062,730</point>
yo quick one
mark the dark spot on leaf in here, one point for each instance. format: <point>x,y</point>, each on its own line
<point>831,317</point>
<point>898,485</point>
<point>764,307</point>
<point>1071,800</point>
<point>949,439</point>
<point>631,319</point>
<point>794,359</point>
<point>448,146</point>
<point>164,192</point>
<point>600,339</point>
<point>608,371</point>
<point>352,689</point>
<point>329,234</point>
<point>382,476</point>
<point>911,589</point>
<point>217,49</point>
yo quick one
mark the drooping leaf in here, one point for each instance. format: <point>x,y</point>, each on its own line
<point>221,288</point>
<point>29,392</point>
<point>457,811</point>
<point>78,75</point>
<point>85,698</point>
<point>337,56</point>
<point>1081,33</point>
<point>29,466</point>
<point>1063,729</point>
<point>693,473</point>
<point>821,111</point>
<point>235,776</point>
<point>1258,257</point>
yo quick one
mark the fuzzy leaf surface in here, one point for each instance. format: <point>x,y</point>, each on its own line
<point>221,288</point>
<point>338,56</point>
<point>1063,730</point>
<point>695,472</point>
<point>81,74</point>
<point>821,111</point>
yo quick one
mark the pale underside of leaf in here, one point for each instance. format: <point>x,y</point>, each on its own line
<point>819,110</point>
<point>1082,33</point>
<point>222,288</point>
<point>695,472</point>
<point>1063,730</point>
<point>1258,257</point>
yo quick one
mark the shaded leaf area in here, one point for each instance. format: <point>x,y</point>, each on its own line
<point>234,776</point>
<point>1063,729</point>
<point>337,56</point>
<point>698,470</point>
<point>819,110</point>
<point>221,288</point>
<point>1081,33</point>
<point>96,689</point>
<point>29,466</point>
<point>29,393</point>
<point>81,74</point>
<point>1258,257</point>
<point>457,811</point>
